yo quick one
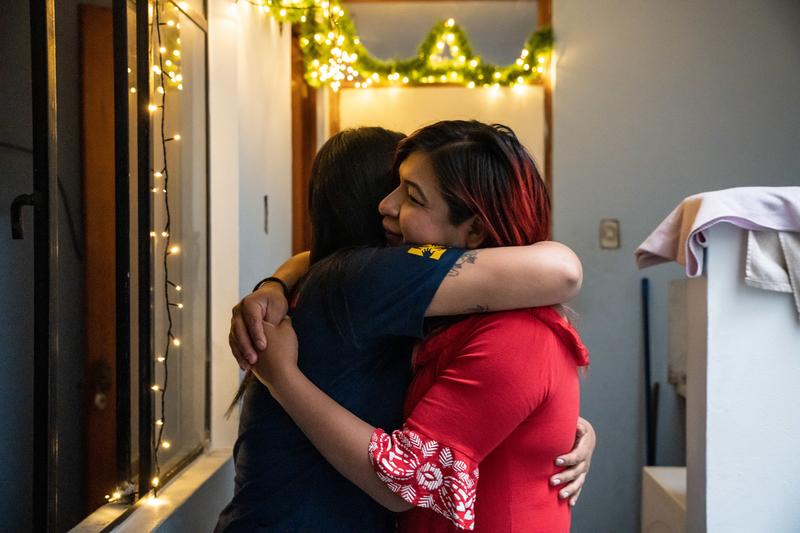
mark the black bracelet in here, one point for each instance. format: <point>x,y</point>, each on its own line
<point>279,281</point>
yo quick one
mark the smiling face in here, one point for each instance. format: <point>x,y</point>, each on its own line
<point>416,213</point>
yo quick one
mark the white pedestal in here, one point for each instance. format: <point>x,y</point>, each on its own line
<point>743,398</point>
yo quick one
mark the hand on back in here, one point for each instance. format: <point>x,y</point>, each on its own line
<point>246,337</point>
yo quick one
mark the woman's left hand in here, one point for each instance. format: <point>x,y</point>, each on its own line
<point>281,352</point>
<point>577,462</point>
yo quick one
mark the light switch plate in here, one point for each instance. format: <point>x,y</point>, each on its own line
<point>609,233</point>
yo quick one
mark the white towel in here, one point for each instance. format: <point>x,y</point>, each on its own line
<point>773,262</point>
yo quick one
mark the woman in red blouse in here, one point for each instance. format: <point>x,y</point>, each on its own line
<point>494,396</point>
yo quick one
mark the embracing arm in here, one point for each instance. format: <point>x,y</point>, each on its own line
<point>267,302</point>
<point>340,436</point>
<point>514,277</point>
<point>489,279</point>
<point>344,439</point>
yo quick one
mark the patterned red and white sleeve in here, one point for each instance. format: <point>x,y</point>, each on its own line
<point>427,474</point>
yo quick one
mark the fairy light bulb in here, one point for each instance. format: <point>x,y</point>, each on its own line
<point>154,481</point>
<point>117,495</point>
<point>156,388</point>
<point>473,63</point>
<point>471,85</point>
<point>176,342</point>
<point>156,69</point>
<point>161,359</point>
<point>524,53</point>
<point>177,136</point>
<point>175,249</point>
<point>283,12</point>
<point>152,108</point>
<point>157,174</point>
<point>152,233</point>
<point>180,86</point>
<point>154,189</point>
<point>164,234</point>
<point>176,53</point>
<point>450,22</point>
<point>180,306</point>
<point>133,89</point>
<point>497,75</point>
<point>160,422</point>
<point>170,23</point>
<point>166,445</point>
<point>540,59</point>
<point>163,49</point>
<point>303,19</point>
<point>178,288</point>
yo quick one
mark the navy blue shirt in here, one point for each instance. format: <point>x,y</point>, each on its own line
<point>282,482</point>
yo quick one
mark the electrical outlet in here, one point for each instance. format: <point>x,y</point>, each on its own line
<point>609,234</point>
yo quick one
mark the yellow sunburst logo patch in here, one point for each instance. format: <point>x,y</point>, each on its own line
<point>430,251</point>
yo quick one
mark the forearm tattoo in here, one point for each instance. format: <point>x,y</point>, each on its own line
<point>468,257</point>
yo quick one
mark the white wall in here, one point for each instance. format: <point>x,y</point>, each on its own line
<point>655,101</point>
<point>265,144</point>
<point>406,109</point>
<point>250,155</point>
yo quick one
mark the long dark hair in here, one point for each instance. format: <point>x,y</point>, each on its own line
<point>350,175</point>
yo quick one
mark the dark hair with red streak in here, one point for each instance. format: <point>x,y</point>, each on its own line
<point>485,170</point>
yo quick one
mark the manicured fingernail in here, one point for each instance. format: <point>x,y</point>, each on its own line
<point>564,493</point>
<point>572,503</point>
<point>559,461</point>
<point>555,481</point>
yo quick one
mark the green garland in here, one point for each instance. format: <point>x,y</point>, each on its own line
<point>333,54</point>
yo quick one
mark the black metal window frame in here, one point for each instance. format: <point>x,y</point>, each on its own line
<point>143,220</point>
<point>46,454</point>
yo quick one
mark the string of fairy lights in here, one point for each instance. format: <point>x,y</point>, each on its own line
<point>167,72</point>
<point>167,78</point>
<point>334,56</point>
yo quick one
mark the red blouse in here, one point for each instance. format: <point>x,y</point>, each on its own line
<point>496,396</point>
